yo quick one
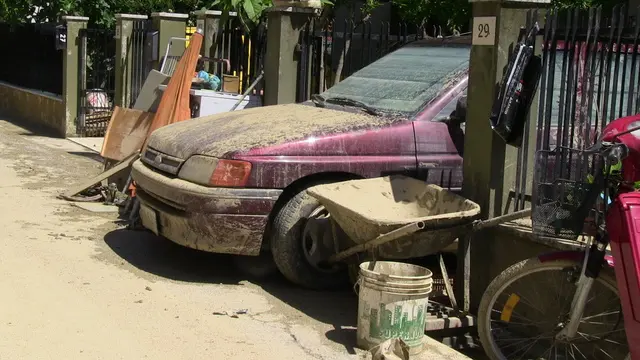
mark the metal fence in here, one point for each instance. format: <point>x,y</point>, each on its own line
<point>141,63</point>
<point>244,50</point>
<point>29,57</point>
<point>335,50</point>
<point>96,80</point>
<point>590,74</point>
<point>590,77</point>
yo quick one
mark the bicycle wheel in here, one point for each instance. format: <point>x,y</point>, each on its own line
<point>524,308</point>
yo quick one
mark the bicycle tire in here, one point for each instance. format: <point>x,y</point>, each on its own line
<point>508,277</point>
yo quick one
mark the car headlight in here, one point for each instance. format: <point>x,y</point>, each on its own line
<point>210,171</point>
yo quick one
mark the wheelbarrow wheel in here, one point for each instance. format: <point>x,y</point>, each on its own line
<point>301,243</point>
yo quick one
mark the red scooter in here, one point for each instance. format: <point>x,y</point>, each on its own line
<point>582,303</point>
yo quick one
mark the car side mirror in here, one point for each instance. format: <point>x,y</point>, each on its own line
<point>461,109</point>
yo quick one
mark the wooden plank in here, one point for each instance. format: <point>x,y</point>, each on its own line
<point>127,131</point>
<point>98,178</point>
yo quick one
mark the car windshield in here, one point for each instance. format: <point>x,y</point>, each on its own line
<point>405,80</point>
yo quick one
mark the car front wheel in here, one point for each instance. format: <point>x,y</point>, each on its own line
<point>302,241</point>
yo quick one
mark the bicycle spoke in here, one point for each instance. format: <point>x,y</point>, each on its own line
<point>601,314</point>
<point>522,324</point>
<point>613,331</point>
<point>524,340</point>
<point>514,314</point>
<point>526,349</point>
<point>550,349</point>
<point>604,352</point>
<point>528,312</point>
<point>575,347</point>
<point>573,354</point>
<point>614,342</point>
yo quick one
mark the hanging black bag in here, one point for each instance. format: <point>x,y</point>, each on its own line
<point>519,84</point>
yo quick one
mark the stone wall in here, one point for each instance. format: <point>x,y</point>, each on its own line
<point>34,107</point>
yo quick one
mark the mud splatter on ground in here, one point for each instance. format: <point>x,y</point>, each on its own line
<point>74,283</point>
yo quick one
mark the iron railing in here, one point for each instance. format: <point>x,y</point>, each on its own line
<point>244,51</point>
<point>590,77</point>
<point>329,50</point>
<point>96,80</point>
<point>590,74</point>
<point>29,57</point>
<point>141,63</point>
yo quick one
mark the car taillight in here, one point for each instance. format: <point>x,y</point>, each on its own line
<point>231,173</point>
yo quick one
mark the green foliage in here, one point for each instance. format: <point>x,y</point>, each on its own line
<point>249,11</point>
<point>451,15</point>
<point>585,4</point>
<point>100,12</point>
<point>455,15</point>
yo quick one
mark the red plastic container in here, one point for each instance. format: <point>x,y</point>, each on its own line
<point>623,224</point>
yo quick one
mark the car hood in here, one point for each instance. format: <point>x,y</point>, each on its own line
<point>238,131</point>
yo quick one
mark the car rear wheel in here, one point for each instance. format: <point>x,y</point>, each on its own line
<point>302,240</point>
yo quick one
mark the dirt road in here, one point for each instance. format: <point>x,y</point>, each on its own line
<point>76,286</point>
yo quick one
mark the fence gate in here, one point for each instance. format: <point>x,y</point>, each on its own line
<point>96,80</point>
<point>141,63</point>
<point>340,48</point>
<point>590,77</point>
<point>590,74</point>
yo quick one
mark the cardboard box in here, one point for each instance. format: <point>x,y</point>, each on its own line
<point>231,84</point>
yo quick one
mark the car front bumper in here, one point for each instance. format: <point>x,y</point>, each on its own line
<point>220,220</point>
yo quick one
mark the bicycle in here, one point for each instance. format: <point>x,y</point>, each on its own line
<point>589,194</point>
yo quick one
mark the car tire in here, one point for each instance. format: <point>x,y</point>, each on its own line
<point>287,246</point>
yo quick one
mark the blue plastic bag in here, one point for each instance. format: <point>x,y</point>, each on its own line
<point>212,81</point>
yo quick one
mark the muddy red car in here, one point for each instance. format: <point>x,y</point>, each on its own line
<point>235,182</point>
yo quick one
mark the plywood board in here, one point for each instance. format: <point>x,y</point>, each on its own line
<point>126,133</point>
<point>149,96</point>
<point>98,178</point>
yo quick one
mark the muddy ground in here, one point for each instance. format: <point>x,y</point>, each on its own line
<point>76,285</point>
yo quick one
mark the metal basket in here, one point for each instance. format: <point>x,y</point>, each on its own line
<point>565,193</point>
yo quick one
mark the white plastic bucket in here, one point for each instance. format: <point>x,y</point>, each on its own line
<point>393,301</point>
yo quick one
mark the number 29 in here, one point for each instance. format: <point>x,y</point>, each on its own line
<point>483,30</point>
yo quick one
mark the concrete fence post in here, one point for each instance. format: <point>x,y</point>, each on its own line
<point>285,24</point>
<point>70,91</point>
<point>124,56</point>
<point>169,25</point>
<point>490,165</point>
<point>210,21</point>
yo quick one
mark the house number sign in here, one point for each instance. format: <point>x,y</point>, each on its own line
<point>484,30</point>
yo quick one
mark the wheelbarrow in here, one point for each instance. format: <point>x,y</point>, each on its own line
<point>400,217</point>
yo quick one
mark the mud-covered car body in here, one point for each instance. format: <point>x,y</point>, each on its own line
<point>216,183</point>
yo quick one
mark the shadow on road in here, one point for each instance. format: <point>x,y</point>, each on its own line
<point>164,258</point>
<point>346,336</point>
<point>161,257</point>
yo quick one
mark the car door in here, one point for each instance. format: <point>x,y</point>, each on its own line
<point>439,148</point>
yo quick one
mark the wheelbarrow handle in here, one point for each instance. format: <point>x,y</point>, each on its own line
<point>483,224</point>
<point>382,239</point>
